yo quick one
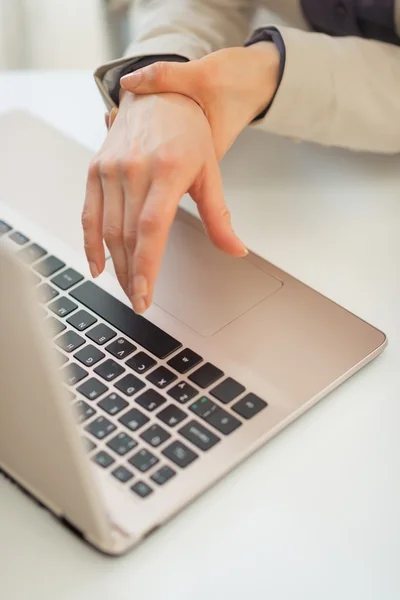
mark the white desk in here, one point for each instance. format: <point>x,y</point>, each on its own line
<point>316,513</point>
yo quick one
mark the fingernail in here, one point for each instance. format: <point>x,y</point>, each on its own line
<point>132,80</point>
<point>139,292</point>
<point>93,270</point>
<point>245,252</point>
<point>139,304</point>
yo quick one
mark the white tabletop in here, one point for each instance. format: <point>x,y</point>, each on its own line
<point>315,514</point>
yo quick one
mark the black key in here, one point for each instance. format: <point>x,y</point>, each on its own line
<point>180,454</point>
<point>122,443</point>
<point>122,474</point>
<point>70,341</point>
<point>199,435</point>
<point>121,348</point>
<point>103,459</point>
<point>143,460</point>
<point>62,306</point>
<point>113,404</point>
<point>227,390</point>
<point>142,489</point>
<point>182,392</point>
<point>4,227</point>
<point>150,399</point>
<point>129,385</point>
<point>133,419</point>
<point>31,253</point>
<point>84,411</point>
<point>92,388</point>
<point>121,316</point>
<point>89,355</point>
<point>35,279</point>
<point>141,362</point>
<point>109,369</point>
<point>249,406</point>
<point>101,334</point>
<point>49,265</point>
<point>185,360</point>
<point>73,373</point>
<point>203,407</point>
<point>100,428</point>
<point>171,415</point>
<point>206,375</point>
<point>81,320</point>
<point>55,326</point>
<point>163,475</point>
<point>19,238</point>
<point>67,279</point>
<point>223,421</point>
<point>161,377</point>
<point>46,293</point>
<point>60,357</point>
<point>155,435</point>
<point>89,445</point>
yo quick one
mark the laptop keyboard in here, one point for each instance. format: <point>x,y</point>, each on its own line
<point>147,407</point>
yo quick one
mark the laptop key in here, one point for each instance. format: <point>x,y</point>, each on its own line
<point>161,377</point>
<point>206,375</point>
<point>67,279</point>
<point>113,404</point>
<point>143,460</point>
<point>129,385</point>
<point>141,362</point>
<point>46,293</point>
<point>103,459</point>
<point>89,355</point>
<point>62,306</point>
<point>81,320</point>
<point>100,428</point>
<point>122,443</point>
<point>121,348</point>
<point>109,369</point>
<point>122,474</point>
<point>223,421</point>
<point>227,390</point>
<point>155,435</point>
<point>142,489</point>
<point>69,341</point>
<point>182,392</point>
<point>180,454</point>
<point>101,334</point>
<point>150,400</point>
<point>55,325</point>
<point>4,227</point>
<point>84,411</point>
<point>92,388</point>
<point>171,415</point>
<point>199,435</point>
<point>184,361</point>
<point>133,419</point>
<point>19,238</point>
<point>49,265</point>
<point>119,315</point>
<point>163,475</point>
<point>73,373</point>
<point>203,407</point>
<point>249,406</point>
<point>29,254</point>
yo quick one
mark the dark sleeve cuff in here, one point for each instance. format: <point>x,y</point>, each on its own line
<point>270,34</point>
<point>140,64</point>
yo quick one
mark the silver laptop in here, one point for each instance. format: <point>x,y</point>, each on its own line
<point>115,422</point>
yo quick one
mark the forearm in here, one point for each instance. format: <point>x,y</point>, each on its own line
<point>338,91</point>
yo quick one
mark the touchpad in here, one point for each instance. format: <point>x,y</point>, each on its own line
<point>203,287</point>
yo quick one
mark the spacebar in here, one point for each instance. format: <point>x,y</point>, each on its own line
<point>118,314</point>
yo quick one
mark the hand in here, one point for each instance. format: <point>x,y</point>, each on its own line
<point>158,148</point>
<point>232,86</point>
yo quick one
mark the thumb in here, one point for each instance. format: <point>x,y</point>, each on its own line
<point>208,194</point>
<point>160,77</point>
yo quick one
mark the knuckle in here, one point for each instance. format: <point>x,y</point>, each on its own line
<point>108,170</point>
<point>93,170</point>
<point>87,220</point>
<point>150,223</point>
<point>129,237</point>
<point>157,72</point>
<point>166,163</point>
<point>112,233</point>
<point>132,167</point>
<point>225,213</point>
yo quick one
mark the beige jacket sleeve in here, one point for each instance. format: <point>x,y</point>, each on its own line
<point>334,91</point>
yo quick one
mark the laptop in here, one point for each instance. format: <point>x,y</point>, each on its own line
<point>115,422</point>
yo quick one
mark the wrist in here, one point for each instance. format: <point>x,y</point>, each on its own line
<point>265,60</point>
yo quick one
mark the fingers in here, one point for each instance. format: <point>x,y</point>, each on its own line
<point>180,78</point>
<point>92,221</point>
<point>209,197</point>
